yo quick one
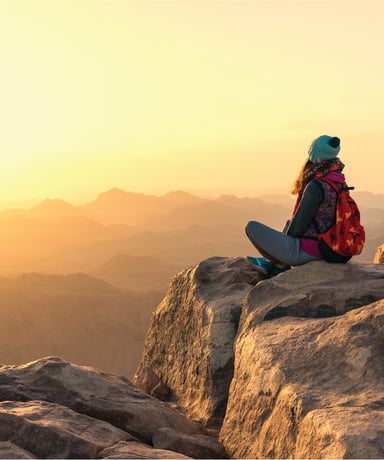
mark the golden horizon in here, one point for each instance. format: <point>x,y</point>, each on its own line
<point>150,96</point>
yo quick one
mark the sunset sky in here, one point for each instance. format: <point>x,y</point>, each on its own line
<point>154,96</point>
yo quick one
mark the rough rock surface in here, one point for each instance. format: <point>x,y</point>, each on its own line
<point>195,446</point>
<point>53,431</point>
<point>50,408</point>
<point>190,339</point>
<point>379,255</point>
<point>315,290</point>
<point>308,365</point>
<point>309,388</point>
<point>138,450</point>
<point>11,450</point>
<point>308,370</point>
<point>91,392</point>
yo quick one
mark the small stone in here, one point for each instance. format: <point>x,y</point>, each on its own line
<point>148,381</point>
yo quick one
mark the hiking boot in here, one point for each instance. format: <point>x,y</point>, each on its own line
<point>266,267</point>
<point>260,264</point>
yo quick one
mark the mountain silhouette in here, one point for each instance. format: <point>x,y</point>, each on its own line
<point>177,228</point>
<point>53,209</point>
<point>181,198</point>
<point>118,206</point>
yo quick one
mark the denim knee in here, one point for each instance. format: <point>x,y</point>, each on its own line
<point>249,226</point>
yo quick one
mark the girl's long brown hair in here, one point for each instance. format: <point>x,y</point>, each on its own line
<point>302,178</point>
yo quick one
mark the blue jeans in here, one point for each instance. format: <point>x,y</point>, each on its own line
<point>276,246</point>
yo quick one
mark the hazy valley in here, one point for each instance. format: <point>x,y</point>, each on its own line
<point>81,281</point>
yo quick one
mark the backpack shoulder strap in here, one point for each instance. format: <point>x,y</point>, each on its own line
<point>319,185</point>
<point>334,184</point>
<point>337,186</point>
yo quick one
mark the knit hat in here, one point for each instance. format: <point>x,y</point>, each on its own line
<point>324,148</point>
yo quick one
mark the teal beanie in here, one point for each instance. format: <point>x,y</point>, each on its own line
<point>324,148</point>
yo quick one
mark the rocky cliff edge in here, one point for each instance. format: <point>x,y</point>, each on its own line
<point>287,367</point>
<point>246,367</point>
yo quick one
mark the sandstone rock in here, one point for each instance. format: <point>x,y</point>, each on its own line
<point>190,339</point>
<point>52,431</point>
<point>309,387</point>
<point>195,446</point>
<point>137,450</point>
<point>91,392</point>
<point>305,347</point>
<point>148,381</point>
<point>342,432</point>
<point>379,255</point>
<point>318,289</point>
<point>10,450</point>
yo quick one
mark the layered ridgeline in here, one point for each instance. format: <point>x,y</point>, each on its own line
<point>234,365</point>
<point>177,230</point>
<point>81,281</point>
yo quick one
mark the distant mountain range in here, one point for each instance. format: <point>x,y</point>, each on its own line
<point>178,229</point>
<point>82,281</point>
<point>111,207</point>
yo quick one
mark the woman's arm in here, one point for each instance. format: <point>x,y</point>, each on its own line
<point>307,208</point>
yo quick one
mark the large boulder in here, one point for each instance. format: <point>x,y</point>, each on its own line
<point>308,377</point>
<point>307,344</point>
<point>50,408</point>
<point>189,344</point>
<point>379,255</point>
<point>52,431</point>
<point>317,289</point>
<point>94,393</point>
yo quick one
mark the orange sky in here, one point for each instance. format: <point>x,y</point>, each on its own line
<point>153,96</point>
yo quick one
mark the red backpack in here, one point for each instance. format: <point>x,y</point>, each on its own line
<point>346,236</point>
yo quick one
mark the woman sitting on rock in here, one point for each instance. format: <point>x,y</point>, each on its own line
<point>313,213</point>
